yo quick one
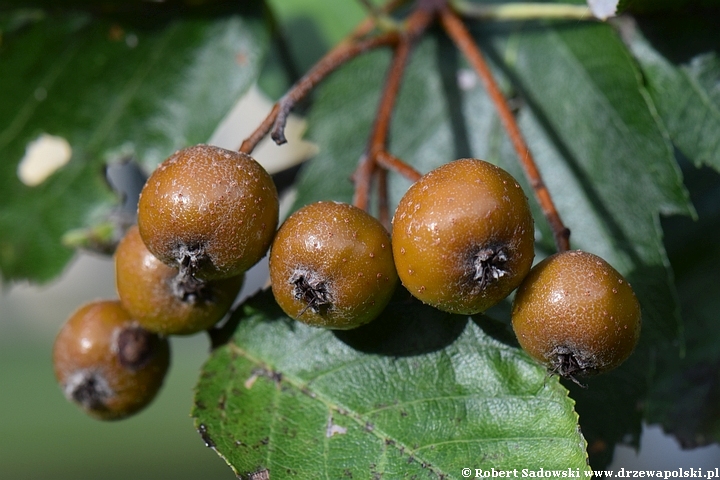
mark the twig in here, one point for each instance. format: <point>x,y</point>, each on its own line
<point>378,138</point>
<point>416,25</point>
<point>391,162</point>
<point>349,48</point>
<point>338,56</point>
<point>455,28</point>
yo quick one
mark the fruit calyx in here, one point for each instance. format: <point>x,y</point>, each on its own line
<point>185,285</point>
<point>569,363</point>
<point>489,265</point>
<point>311,290</point>
<point>89,389</point>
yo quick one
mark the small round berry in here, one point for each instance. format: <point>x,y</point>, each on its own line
<point>463,236</point>
<point>162,300</point>
<point>106,363</point>
<point>575,314</point>
<point>331,266</point>
<point>209,211</point>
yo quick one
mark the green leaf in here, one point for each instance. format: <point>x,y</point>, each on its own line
<point>595,135</point>
<point>114,90</point>
<point>684,86</point>
<point>413,393</point>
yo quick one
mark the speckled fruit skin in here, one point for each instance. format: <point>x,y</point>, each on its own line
<point>575,303</point>
<point>144,285</point>
<point>445,219</point>
<point>345,249</point>
<point>87,352</point>
<point>220,205</point>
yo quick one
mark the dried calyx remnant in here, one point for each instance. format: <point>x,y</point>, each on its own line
<point>185,285</point>
<point>88,388</point>
<point>488,266</point>
<point>134,349</point>
<point>311,290</point>
<point>569,363</point>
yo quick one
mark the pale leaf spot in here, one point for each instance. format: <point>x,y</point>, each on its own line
<point>43,157</point>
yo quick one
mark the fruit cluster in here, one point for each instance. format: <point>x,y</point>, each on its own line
<point>205,216</point>
<point>462,240</point>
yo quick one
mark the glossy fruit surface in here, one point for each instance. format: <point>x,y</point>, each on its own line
<point>210,210</point>
<point>107,364</point>
<point>331,266</point>
<point>463,236</point>
<point>154,294</point>
<point>576,314</point>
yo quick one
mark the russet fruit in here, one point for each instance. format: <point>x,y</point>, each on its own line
<point>331,266</point>
<point>106,363</point>
<point>463,236</point>
<point>576,314</point>
<point>208,211</point>
<point>161,300</point>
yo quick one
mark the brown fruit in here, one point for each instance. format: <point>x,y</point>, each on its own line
<point>209,211</point>
<point>576,315</point>
<point>463,236</point>
<point>160,299</point>
<point>106,363</point>
<point>331,266</point>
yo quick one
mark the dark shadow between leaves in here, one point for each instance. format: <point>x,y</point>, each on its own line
<point>495,322</point>
<point>685,395</point>
<point>406,328</point>
<point>610,407</point>
<point>684,34</point>
<point>263,300</point>
<point>685,402</point>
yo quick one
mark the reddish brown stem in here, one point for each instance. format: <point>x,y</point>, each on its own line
<point>349,48</point>
<point>344,52</point>
<point>416,25</point>
<point>457,31</point>
<point>378,138</point>
<point>383,201</point>
<point>391,162</point>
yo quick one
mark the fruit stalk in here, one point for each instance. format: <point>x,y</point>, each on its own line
<point>345,51</point>
<point>362,176</point>
<point>391,162</point>
<point>456,30</point>
<point>417,23</point>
